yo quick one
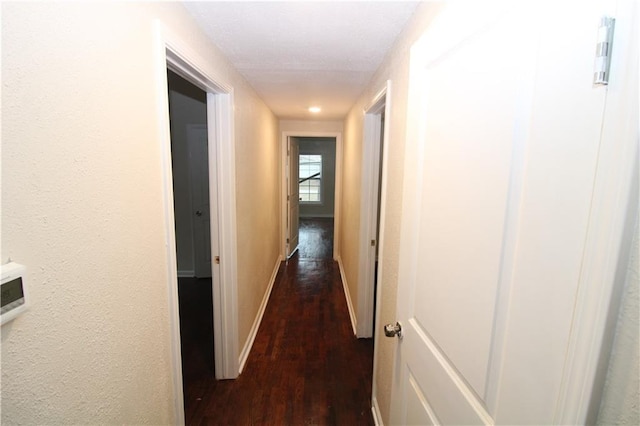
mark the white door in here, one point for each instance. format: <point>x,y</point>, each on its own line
<point>502,146</point>
<point>199,175</point>
<point>293,197</point>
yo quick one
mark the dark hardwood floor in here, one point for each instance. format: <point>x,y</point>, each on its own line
<point>306,367</point>
<point>316,238</point>
<point>196,327</point>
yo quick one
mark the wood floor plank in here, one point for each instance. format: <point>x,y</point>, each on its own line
<point>306,366</point>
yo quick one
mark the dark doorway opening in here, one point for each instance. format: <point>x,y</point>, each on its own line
<point>190,169</point>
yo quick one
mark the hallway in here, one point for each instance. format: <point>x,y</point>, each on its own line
<point>306,366</point>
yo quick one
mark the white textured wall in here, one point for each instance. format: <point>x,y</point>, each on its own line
<point>621,396</point>
<point>395,68</point>
<point>82,208</point>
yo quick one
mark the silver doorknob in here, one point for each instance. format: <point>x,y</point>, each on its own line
<point>393,330</point>
<point>198,213</point>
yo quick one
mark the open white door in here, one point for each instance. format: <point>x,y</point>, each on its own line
<point>293,196</point>
<point>370,210</point>
<point>197,138</point>
<point>502,149</point>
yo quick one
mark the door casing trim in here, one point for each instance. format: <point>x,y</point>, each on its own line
<point>172,53</point>
<point>372,160</point>
<point>284,208</point>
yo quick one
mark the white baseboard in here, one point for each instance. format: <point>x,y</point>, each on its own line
<point>186,274</point>
<point>375,411</point>
<point>244,355</point>
<point>347,295</point>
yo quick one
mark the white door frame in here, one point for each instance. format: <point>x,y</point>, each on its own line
<point>292,245</point>
<point>371,182</point>
<point>614,209</point>
<point>173,54</point>
<point>284,209</point>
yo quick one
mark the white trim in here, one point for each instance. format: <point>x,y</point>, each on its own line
<point>375,412</point>
<point>226,302</point>
<point>174,54</point>
<point>610,231</point>
<point>347,296</point>
<point>372,160</point>
<point>186,274</point>
<point>284,191</point>
<point>381,239</point>
<point>291,243</point>
<point>284,211</point>
<point>162,104</point>
<point>246,350</point>
<point>376,105</point>
<point>337,215</point>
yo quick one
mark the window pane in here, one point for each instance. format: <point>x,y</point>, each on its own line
<point>310,177</point>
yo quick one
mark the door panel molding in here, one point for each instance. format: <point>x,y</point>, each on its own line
<point>573,191</point>
<point>467,407</point>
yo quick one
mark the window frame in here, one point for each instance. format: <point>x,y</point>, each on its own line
<point>319,179</point>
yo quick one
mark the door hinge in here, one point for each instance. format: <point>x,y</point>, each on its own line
<point>603,51</point>
<point>287,241</point>
<point>217,260</point>
<point>287,198</point>
<point>373,243</point>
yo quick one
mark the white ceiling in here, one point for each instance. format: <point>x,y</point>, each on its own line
<point>297,54</point>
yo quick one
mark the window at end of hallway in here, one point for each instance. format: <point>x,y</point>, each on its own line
<point>310,178</point>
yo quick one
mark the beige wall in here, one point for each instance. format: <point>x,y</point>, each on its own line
<point>82,208</point>
<point>310,126</point>
<point>258,204</point>
<point>349,232</point>
<point>394,68</point>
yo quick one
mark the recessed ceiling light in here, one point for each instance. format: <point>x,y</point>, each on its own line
<point>314,109</point>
